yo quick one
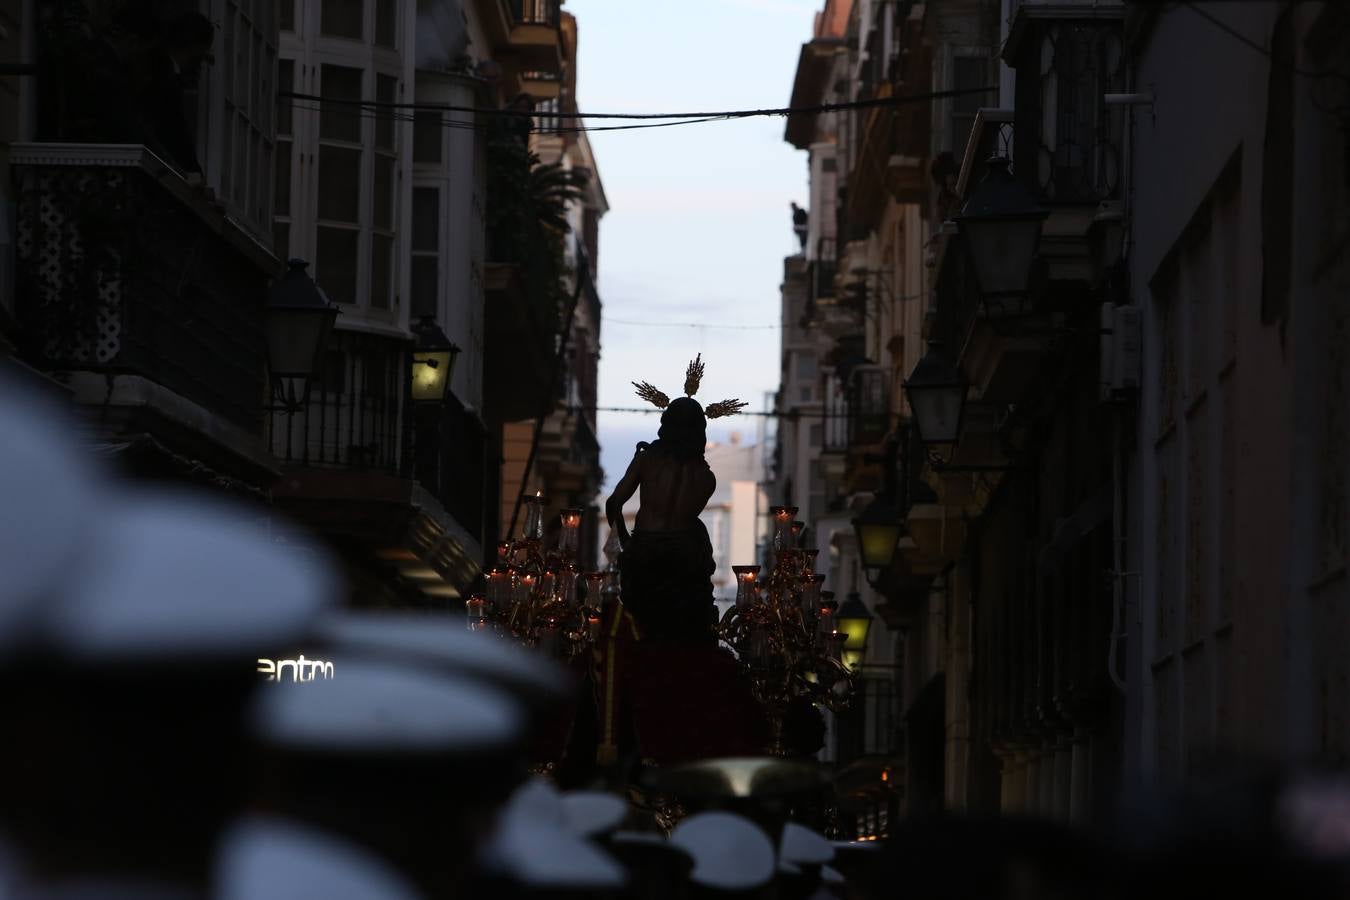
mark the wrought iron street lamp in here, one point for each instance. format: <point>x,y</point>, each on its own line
<point>878,529</point>
<point>855,620</point>
<point>1002,225</point>
<point>296,321</point>
<point>433,362</point>
<point>936,391</point>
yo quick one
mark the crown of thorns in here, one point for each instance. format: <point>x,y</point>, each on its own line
<point>692,376</point>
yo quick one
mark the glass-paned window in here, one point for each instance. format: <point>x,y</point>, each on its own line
<point>335,256</point>
<point>386,22</point>
<point>427,130</point>
<point>384,195</point>
<point>283,162</point>
<point>340,120</point>
<point>342,18</point>
<point>426,215</point>
<point>340,184</point>
<point>386,92</point>
<point>243,86</point>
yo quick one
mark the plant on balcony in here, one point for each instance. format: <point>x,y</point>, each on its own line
<point>527,216</point>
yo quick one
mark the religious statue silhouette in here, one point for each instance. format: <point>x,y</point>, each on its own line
<point>666,566</point>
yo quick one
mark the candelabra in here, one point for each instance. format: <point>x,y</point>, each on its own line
<point>532,594</point>
<point>782,630</point>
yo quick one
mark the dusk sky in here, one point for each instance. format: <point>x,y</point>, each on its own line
<point>699,217</point>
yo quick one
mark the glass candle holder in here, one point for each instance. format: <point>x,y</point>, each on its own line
<point>760,648</point>
<point>524,588</point>
<point>569,539</point>
<point>783,517</point>
<point>534,517</point>
<point>595,586</point>
<point>567,586</point>
<point>809,560</point>
<point>825,625</point>
<point>797,529</point>
<point>834,645</point>
<point>475,607</point>
<point>745,584</point>
<point>499,597</point>
<point>593,625</point>
<point>505,552</point>
<point>548,585</point>
<point>480,624</point>
<point>811,585</point>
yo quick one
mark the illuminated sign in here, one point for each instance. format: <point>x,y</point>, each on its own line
<point>301,669</point>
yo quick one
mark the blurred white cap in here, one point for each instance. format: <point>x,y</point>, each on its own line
<point>384,707</point>
<point>172,576</point>
<point>445,645</point>
<point>800,844</point>
<point>592,813</point>
<point>533,846</point>
<point>274,859</point>
<point>48,502</point>
<point>730,852</point>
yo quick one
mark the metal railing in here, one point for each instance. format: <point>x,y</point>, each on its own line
<point>121,270</point>
<point>1070,150</point>
<point>535,12</point>
<point>353,418</point>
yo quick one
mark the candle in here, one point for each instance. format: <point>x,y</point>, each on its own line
<point>745,584</point>
<point>828,607</point>
<point>783,517</point>
<point>524,588</point>
<point>505,550</point>
<point>569,541</point>
<point>499,589</point>
<point>593,626</point>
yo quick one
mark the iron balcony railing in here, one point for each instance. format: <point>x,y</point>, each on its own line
<point>535,12</point>
<point>869,411</point>
<point>1069,146</point>
<point>123,269</point>
<point>354,415</point>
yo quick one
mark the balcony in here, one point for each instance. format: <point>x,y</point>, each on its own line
<point>525,36</point>
<point>1068,144</point>
<point>400,487</point>
<point>145,297</point>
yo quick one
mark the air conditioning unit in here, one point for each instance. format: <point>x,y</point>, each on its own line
<point>1121,351</point>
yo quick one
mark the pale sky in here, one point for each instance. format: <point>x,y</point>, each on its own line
<point>699,218</point>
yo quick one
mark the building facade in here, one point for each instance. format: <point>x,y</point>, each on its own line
<point>356,137</point>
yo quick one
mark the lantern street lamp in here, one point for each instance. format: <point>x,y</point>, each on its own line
<point>296,322</point>
<point>936,391</point>
<point>878,529</point>
<point>854,620</point>
<point>1002,225</point>
<point>433,362</point>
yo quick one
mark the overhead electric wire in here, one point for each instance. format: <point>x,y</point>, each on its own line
<point>690,118</point>
<point>653,411</point>
<point>470,126</point>
<point>608,320</point>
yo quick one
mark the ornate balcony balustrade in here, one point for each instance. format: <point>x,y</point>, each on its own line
<point>1068,143</point>
<point>123,269</point>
